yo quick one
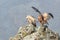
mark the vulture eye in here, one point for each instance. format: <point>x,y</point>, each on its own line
<point>51,15</point>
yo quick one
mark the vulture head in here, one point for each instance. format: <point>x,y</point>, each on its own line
<point>31,20</point>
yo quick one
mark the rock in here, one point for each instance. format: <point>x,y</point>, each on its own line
<point>26,30</point>
<point>16,37</point>
<point>29,32</point>
<point>34,36</point>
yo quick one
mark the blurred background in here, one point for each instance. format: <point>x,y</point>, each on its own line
<point>13,13</point>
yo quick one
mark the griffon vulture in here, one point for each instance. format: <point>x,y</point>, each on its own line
<point>43,18</point>
<point>31,20</point>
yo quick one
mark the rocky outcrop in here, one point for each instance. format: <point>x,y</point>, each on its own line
<point>30,32</point>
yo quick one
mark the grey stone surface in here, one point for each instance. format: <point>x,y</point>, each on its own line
<point>29,32</point>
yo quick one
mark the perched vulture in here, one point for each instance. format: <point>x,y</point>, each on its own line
<point>31,20</point>
<point>43,18</point>
<point>46,17</point>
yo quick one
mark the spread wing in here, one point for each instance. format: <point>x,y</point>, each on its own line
<point>36,10</point>
<point>51,15</point>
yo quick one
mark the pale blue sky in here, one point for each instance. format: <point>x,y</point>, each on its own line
<point>13,13</point>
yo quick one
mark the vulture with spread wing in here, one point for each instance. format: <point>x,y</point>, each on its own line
<point>43,18</point>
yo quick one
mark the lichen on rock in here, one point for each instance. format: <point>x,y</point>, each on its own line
<point>29,32</point>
